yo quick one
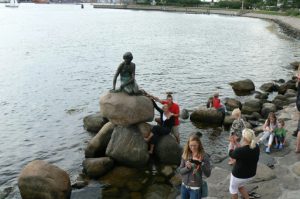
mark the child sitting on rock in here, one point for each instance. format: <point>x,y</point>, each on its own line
<point>280,134</point>
<point>268,134</point>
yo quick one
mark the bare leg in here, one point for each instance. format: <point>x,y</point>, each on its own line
<point>151,149</point>
<point>147,139</point>
<point>244,192</point>
<point>234,196</point>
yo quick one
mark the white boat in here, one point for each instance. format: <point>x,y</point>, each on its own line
<point>13,4</point>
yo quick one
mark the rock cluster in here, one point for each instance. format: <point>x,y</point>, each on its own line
<point>121,140</point>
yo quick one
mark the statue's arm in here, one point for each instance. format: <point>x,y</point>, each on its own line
<point>116,76</point>
<point>132,76</point>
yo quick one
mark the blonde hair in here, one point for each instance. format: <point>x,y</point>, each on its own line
<point>187,153</point>
<point>236,112</point>
<point>249,135</point>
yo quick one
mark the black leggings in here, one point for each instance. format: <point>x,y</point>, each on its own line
<point>157,132</point>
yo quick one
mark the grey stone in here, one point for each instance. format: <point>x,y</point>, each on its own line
<point>296,168</point>
<point>97,167</point>
<point>267,108</point>
<point>263,173</point>
<point>251,106</point>
<point>93,123</point>
<point>40,179</point>
<point>157,191</point>
<point>128,147</point>
<point>167,170</point>
<point>267,87</point>
<point>168,151</point>
<point>243,87</point>
<point>206,116</point>
<point>92,191</point>
<point>231,104</point>
<point>122,109</point>
<point>290,182</point>
<point>97,146</point>
<point>184,114</point>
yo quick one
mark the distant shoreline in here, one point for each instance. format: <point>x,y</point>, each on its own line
<point>289,25</point>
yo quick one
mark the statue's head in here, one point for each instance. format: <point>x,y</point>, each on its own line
<point>127,57</point>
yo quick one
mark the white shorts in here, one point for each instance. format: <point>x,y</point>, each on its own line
<point>236,183</point>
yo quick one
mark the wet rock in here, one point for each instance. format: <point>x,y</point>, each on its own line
<point>296,168</point>
<point>228,120</point>
<point>206,116</point>
<point>262,96</point>
<point>251,106</point>
<point>119,176</point>
<point>40,179</point>
<point>231,104</point>
<point>97,167</point>
<point>290,93</point>
<point>97,146</point>
<point>167,171</point>
<point>93,123</point>
<point>168,151</point>
<point>79,184</point>
<point>258,130</point>
<point>243,87</point>
<point>176,180</point>
<point>267,108</point>
<point>281,81</point>
<point>122,109</point>
<point>136,195</point>
<point>267,87</point>
<point>92,191</point>
<point>157,191</point>
<point>263,173</point>
<point>256,116</point>
<point>128,147</point>
<point>291,84</point>
<point>111,192</point>
<point>145,129</point>
<point>134,185</point>
<point>184,114</point>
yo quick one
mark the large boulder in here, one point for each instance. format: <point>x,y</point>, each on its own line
<point>231,104</point>
<point>243,87</point>
<point>251,106</point>
<point>168,151</point>
<point>280,101</point>
<point>260,95</point>
<point>97,146</point>
<point>93,123</point>
<point>128,147</point>
<point>206,116</point>
<point>267,108</point>
<point>267,87</point>
<point>122,109</point>
<point>40,179</point>
<point>97,167</point>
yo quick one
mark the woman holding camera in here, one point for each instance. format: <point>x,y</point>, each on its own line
<point>194,162</point>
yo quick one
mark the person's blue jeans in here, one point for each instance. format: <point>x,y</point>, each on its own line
<point>187,193</point>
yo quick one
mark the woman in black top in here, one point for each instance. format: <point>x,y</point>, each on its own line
<point>246,163</point>
<point>167,120</point>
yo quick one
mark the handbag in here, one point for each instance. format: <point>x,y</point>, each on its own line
<point>204,189</point>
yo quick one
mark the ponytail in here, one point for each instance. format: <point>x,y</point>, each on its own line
<point>253,144</point>
<point>249,135</point>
